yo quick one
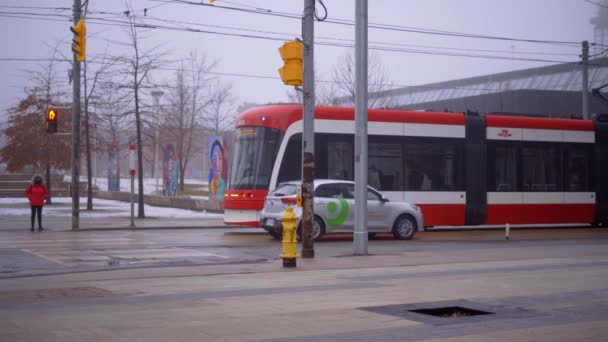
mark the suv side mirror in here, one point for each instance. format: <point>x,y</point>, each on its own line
<point>384,199</point>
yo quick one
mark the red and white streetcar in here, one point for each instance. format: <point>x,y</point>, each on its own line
<point>460,168</point>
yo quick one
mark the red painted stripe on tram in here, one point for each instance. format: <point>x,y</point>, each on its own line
<point>538,123</point>
<point>539,213</point>
<point>244,199</point>
<point>443,214</point>
<point>281,117</point>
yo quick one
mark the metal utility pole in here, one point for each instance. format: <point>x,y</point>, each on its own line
<point>585,66</point>
<point>360,234</point>
<point>87,143</point>
<point>132,158</point>
<point>156,94</point>
<point>95,156</point>
<point>76,131</point>
<point>308,136</point>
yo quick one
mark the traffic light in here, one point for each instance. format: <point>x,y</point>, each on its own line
<point>292,72</point>
<point>51,121</point>
<point>79,41</point>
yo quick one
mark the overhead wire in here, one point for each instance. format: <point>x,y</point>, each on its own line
<point>352,41</point>
<point>595,3</point>
<point>383,26</point>
<point>190,29</point>
<point>258,10</point>
<point>112,22</point>
<point>270,32</point>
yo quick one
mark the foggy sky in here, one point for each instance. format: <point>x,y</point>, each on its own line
<point>561,20</point>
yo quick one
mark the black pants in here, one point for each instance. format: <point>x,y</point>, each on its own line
<point>37,209</point>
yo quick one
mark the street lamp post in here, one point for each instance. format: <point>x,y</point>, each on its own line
<point>95,156</point>
<point>94,99</point>
<point>156,94</point>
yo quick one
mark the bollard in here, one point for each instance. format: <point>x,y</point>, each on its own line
<point>290,244</point>
<point>507,229</point>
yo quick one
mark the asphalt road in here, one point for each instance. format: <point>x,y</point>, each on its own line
<point>229,285</point>
<point>24,253</point>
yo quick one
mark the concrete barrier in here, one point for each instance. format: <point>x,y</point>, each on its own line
<point>162,201</point>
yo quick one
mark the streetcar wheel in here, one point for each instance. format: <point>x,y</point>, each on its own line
<point>404,227</point>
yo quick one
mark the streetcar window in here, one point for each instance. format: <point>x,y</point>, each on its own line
<point>340,160</point>
<point>385,164</point>
<point>291,165</point>
<point>541,167</point>
<point>502,167</point>
<point>255,150</point>
<point>577,175</point>
<point>432,165</point>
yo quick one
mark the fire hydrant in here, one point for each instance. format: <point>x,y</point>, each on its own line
<point>290,244</point>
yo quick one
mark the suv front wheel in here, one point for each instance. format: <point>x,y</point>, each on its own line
<point>404,227</point>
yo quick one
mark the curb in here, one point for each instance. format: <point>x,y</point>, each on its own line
<point>98,229</point>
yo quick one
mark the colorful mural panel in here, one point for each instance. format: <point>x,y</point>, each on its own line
<point>113,167</point>
<point>170,171</point>
<point>217,170</point>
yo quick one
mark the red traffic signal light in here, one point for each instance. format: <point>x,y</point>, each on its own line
<point>51,121</point>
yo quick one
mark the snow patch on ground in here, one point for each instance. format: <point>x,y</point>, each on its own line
<point>102,208</point>
<point>150,187</point>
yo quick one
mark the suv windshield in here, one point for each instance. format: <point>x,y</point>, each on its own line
<point>255,151</point>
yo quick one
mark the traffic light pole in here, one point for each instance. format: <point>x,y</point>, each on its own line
<point>585,65</point>
<point>360,237</point>
<point>76,131</point>
<point>308,137</point>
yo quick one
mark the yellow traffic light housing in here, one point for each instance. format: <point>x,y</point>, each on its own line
<point>292,72</point>
<point>79,41</point>
<point>51,121</point>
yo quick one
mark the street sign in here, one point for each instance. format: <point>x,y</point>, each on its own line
<point>132,160</point>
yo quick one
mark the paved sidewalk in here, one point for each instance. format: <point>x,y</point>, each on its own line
<point>560,299</point>
<point>542,285</point>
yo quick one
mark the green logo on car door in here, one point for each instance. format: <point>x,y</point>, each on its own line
<point>332,207</point>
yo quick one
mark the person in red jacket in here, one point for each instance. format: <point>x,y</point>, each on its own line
<point>37,194</point>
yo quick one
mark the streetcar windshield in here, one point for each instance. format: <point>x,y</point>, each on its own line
<point>255,151</point>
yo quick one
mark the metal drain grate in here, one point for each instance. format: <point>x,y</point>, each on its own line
<point>451,312</point>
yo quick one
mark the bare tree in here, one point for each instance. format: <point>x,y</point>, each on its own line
<point>323,93</point>
<point>221,114</point>
<point>98,77</point>
<point>110,115</point>
<point>137,71</point>
<point>46,88</point>
<point>24,146</point>
<point>187,102</point>
<point>377,80</point>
